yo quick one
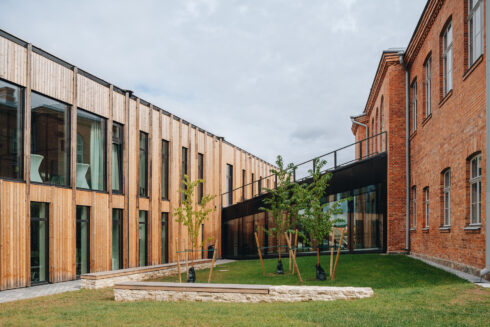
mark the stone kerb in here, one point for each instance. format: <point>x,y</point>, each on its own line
<point>140,291</point>
<point>110,278</point>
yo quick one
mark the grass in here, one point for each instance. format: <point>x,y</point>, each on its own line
<point>407,293</point>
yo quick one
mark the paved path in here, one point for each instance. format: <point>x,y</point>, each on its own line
<point>50,289</point>
<point>471,278</point>
<point>40,290</point>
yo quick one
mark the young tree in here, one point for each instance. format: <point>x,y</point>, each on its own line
<point>316,214</point>
<point>191,214</point>
<point>281,203</point>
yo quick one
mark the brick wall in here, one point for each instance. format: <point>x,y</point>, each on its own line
<point>446,139</point>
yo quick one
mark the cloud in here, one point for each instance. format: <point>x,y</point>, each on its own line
<point>273,77</point>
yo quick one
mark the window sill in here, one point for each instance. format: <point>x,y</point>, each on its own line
<point>426,119</point>
<point>473,67</point>
<point>446,97</point>
<point>425,229</point>
<point>413,229</point>
<point>445,229</point>
<point>89,190</point>
<point>50,184</point>
<point>143,196</point>
<point>473,227</point>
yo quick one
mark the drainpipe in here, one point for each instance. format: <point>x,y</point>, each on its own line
<point>407,151</point>
<point>486,270</point>
<point>354,121</point>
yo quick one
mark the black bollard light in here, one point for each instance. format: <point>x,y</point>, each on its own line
<point>320,273</point>
<point>192,275</point>
<point>279,268</point>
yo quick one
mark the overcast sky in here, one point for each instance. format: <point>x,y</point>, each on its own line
<point>273,77</point>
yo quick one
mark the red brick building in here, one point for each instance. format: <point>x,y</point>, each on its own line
<point>431,100</point>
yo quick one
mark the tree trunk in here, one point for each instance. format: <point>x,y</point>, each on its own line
<point>279,246</point>
<point>317,255</point>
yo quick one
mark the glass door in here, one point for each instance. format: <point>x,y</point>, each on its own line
<point>83,240</point>
<point>164,237</point>
<point>39,243</point>
<point>117,237</point>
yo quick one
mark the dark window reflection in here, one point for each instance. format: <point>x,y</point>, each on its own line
<point>50,141</point>
<point>11,130</point>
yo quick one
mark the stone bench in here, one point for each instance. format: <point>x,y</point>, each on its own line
<point>110,278</point>
<point>156,291</point>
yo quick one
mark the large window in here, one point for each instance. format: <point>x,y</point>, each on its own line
<point>39,243</point>
<point>164,237</point>
<point>143,221</point>
<point>229,184</point>
<point>426,206</point>
<point>143,189</point>
<point>50,141</point>
<point>447,197</point>
<point>414,207</point>
<point>413,87</point>
<point>11,130</point>
<point>200,175</point>
<point>91,151</point>
<point>253,187</point>
<point>165,165</point>
<point>475,30</point>
<point>83,240</point>
<point>447,59</point>
<point>117,236</point>
<point>428,86</point>
<point>475,190</point>
<point>117,157</point>
<point>184,168</point>
<point>244,181</point>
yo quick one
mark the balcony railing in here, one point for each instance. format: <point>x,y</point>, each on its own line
<point>354,152</point>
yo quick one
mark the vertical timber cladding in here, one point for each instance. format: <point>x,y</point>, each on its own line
<point>64,82</point>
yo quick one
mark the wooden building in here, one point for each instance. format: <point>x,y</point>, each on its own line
<point>90,173</point>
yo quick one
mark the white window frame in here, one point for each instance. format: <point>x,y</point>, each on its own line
<point>414,104</point>
<point>414,207</point>
<point>447,55</point>
<point>426,206</point>
<point>475,180</point>
<point>475,31</point>
<point>428,86</point>
<point>447,198</point>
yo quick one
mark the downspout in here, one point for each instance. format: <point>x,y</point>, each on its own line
<point>486,270</point>
<point>367,133</point>
<point>407,152</point>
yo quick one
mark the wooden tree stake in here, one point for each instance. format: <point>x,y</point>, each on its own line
<point>338,253</point>
<point>331,251</point>
<point>178,260</point>
<point>212,262</point>
<point>260,252</point>
<point>295,246</point>
<point>290,253</point>
<point>294,259</point>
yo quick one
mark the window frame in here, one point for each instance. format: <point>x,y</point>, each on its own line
<point>200,175</point>
<point>414,207</point>
<point>447,52</point>
<point>165,169</point>
<point>446,196</point>
<point>428,85</point>
<point>426,207</point>
<point>472,38</point>
<point>475,180</point>
<point>77,222</point>
<point>20,135</point>
<point>143,192</point>
<point>121,144</point>
<point>229,184</point>
<point>414,104</point>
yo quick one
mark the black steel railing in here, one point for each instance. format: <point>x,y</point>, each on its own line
<point>357,151</point>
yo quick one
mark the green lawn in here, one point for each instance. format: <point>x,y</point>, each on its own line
<point>407,293</point>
